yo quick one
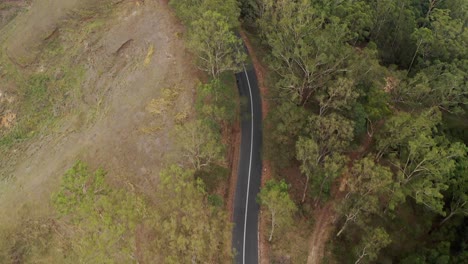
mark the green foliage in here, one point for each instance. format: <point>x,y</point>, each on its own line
<point>376,104</point>
<point>99,221</point>
<point>328,88</point>
<point>320,169</point>
<point>191,10</point>
<point>367,183</point>
<point>215,101</point>
<point>227,8</point>
<point>199,144</point>
<point>188,229</point>
<point>450,39</point>
<point>423,159</point>
<point>275,197</point>
<point>425,165</point>
<point>393,24</point>
<point>286,122</point>
<point>215,200</point>
<point>102,224</point>
<point>357,15</point>
<point>37,92</point>
<point>79,187</point>
<point>217,47</point>
<point>339,96</point>
<point>372,242</point>
<point>210,33</point>
<point>212,176</point>
<point>36,97</point>
<point>187,10</point>
<point>304,68</point>
<point>359,116</point>
<point>332,132</point>
<point>446,244</point>
<point>402,127</point>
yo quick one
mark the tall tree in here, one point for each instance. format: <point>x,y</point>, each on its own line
<point>332,133</point>
<point>307,48</point>
<point>425,165</point>
<point>322,169</point>
<point>217,47</point>
<point>187,10</point>
<point>450,36</point>
<point>98,222</point>
<point>367,182</point>
<point>356,15</point>
<point>457,193</point>
<point>274,196</point>
<point>373,241</point>
<point>199,144</point>
<point>329,135</point>
<point>402,127</point>
<point>393,24</point>
<point>338,96</point>
<point>227,8</point>
<point>286,123</point>
<point>424,161</point>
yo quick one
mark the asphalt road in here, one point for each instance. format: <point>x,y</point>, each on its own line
<point>246,208</point>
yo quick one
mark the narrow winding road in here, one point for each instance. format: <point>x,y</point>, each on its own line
<point>246,208</point>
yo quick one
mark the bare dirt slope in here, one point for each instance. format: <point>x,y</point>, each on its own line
<point>322,230</point>
<point>137,55</point>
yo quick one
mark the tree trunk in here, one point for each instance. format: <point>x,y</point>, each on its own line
<point>305,189</point>
<point>415,54</point>
<point>272,227</point>
<point>342,228</point>
<point>447,218</point>
<point>370,128</point>
<point>363,254</point>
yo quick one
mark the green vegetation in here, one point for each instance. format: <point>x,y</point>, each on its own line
<point>274,196</point>
<point>370,96</point>
<point>181,239</point>
<point>44,95</point>
<point>199,144</point>
<point>99,223</point>
<point>368,101</point>
<point>217,47</point>
<point>219,52</point>
<point>97,218</point>
<point>210,33</point>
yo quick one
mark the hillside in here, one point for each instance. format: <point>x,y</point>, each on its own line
<point>102,82</point>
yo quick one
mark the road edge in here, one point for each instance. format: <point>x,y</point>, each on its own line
<point>264,256</point>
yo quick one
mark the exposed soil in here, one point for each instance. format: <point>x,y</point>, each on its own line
<point>233,159</point>
<point>119,83</point>
<point>266,171</point>
<point>10,8</point>
<point>323,228</point>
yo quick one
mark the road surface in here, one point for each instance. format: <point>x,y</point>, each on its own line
<point>246,208</point>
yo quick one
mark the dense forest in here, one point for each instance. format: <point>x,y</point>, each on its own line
<point>372,93</point>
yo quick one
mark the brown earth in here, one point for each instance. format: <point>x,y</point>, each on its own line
<point>110,126</point>
<point>233,163</point>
